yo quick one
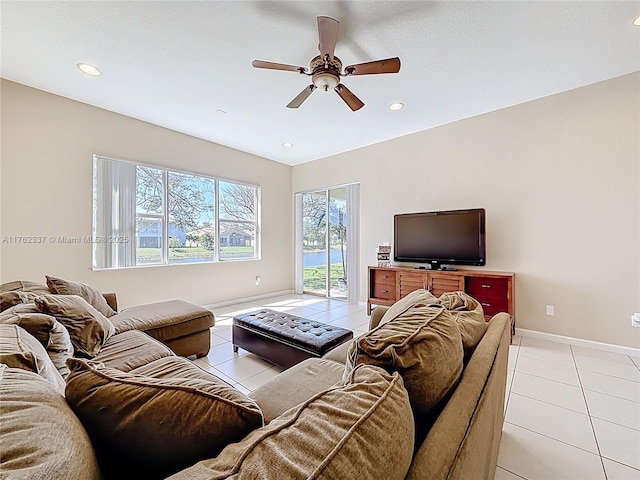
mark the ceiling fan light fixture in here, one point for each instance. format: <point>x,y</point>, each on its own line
<point>325,81</point>
<point>396,106</point>
<point>89,69</point>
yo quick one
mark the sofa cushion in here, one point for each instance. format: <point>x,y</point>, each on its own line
<point>93,296</point>
<point>128,350</point>
<point>53,336</point>
<point>41,437</point>
<point>296,385</point>
<point>164,321</point>
<point>422,342</point>
<point>469,316</point>
<point>88,328</point>
<point>363,429</point>
<point>175,367</point>
<point>157,426</point>
<point>19,349</point>
<point>339,354</point>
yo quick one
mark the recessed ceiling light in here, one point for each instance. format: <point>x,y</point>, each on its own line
<point>89,69</point>
<point>637,21</point>
<point>396,106</point>
<point>287,144</point>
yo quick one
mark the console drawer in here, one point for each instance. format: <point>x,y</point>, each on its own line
<point>383,290</point>
<point>387,277</point>
<point>487,286</point>
<point>493,305</point>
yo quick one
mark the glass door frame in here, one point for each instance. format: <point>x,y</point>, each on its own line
<point>353,240</point>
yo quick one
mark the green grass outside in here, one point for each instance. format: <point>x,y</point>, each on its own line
<point>154,254</point>
<point>314,278</point>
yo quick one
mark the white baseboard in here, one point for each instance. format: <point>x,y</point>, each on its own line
<point>213,306</point>
<point>579,342</point>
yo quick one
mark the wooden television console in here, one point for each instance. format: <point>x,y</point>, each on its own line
<point>494,290</point>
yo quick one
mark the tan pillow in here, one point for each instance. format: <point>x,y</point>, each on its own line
<point>469,316</point>
<point>361,430</point>
<point>53,336</point>
<point>15,297</point>
<point>40,436</point>
<point>87,327</point>
<point>24,286</point>
<point>421,296</point>
<point>422,343</point>
<point>18,349</point>
<point>90,294</point>
<point>147,427</point>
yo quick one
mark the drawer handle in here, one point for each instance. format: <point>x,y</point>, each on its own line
<point>385,276</point>
<point>385,291</point>
<point>486,286</point>
<point>486,304</point>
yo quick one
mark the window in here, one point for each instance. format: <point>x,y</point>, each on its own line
<point>146,215</point>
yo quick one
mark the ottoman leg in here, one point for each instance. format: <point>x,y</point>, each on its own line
<point>235,348</point>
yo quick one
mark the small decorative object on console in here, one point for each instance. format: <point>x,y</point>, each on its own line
<point>384,253</point>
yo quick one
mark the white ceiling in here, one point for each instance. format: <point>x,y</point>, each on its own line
<point>182,65</point>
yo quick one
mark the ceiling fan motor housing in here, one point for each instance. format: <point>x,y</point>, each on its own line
<point>326,74</point>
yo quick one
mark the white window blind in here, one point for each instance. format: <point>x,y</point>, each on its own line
<point>148,215</point>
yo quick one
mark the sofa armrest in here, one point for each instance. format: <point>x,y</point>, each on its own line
<point>376,316</point>
<point>111,300</point>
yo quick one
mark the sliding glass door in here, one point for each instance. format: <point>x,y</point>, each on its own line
<point>324,243</point>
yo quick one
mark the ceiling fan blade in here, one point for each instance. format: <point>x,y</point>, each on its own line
<point>349,98</point>
<point>388,65</point>
<point>302,96</point>
<point>328,34</point>
<point>277,66</point>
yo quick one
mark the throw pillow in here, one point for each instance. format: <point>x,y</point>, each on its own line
<point>469,316</point>
<point>147,427</point>
<point>53,336</point>
<point>24,286</point>
<point>362,429</point>
<point>90,294</point>
<point>87,327</point>
<point>421,296</point>
<point>422,343</point>
<point>41,438</point>
<point>18,349</point>
<point>15,297</point>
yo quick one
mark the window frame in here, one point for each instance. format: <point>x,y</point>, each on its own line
<point>165,216</point>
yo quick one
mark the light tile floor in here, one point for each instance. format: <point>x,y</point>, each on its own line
<point>570,412</point>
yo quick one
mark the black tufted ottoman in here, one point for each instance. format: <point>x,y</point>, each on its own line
<point>285,339</point>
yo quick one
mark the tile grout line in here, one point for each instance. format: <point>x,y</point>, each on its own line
<point>552,404</point>
<point>512,473</point>
<point>593,428</point>
<point>512,379</point>
<point>557,440</point>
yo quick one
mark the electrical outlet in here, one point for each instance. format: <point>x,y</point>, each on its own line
<point>551,310</point>
<point>635,320</point>
<point>257,279</point>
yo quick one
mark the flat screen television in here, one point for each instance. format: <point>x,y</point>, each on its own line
<point>453,237</point>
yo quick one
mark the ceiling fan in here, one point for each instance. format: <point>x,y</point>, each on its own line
<point>326,68</point>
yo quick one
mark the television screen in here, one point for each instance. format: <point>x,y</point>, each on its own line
<point>454,237</point>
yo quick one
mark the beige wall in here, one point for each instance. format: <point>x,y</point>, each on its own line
<point>559,177</point>
<point>560,180</point>
<point>46,189</point>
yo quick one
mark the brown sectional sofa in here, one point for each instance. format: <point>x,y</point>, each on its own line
<point>138,410</point>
